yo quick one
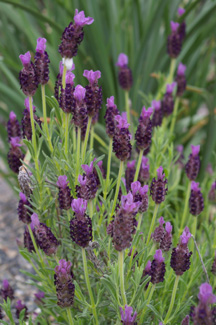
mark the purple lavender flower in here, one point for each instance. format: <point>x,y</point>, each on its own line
<point>63,280</point>
<point>121,140</point>
<point>192,167</point>
<point>180,258</point>
<point>73,35</point>
<point>38,297</point>
<point>140,195</point>
<point>67,100</point>
<point>212,192</point>
<point>182,27</point>
<point>126,315</point>
<point>41,62</point>
<point>58,83</point>
<point>147,269</point>
<point>158,188</point>
<point>6,290</point>
<point>180,79</point>
<point>166,240</point>
<point>44,236</point>
<point>23,212</point>
<point>81,225</point>
<point>144,130</point>
<point>111,112</point>
<point>123,225</point>
<point>213,268</point>
<point>168,101</point>
<point>144,171</point>
<point>64,196</point>
<point>129,173</point>
<point>158,269</point>
<point>88,183</point>
<point>13,126</point>
<point>203,314</point>
<point>26,120</point>
<point>80,117</point>
<point>158,234</point>
<point>15,155</point>
<point>174,41</point>
<point>27,76</point>
<point>28,241</point>
<point>125,73</point>
<point>93,96</point>
<point>196,201</point>
<point>19,307</point>
<point>158,113</point>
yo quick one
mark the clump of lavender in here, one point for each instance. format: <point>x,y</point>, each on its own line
<point>110,114</point>
<point>203,313</point>
<point>212,192</point>
<point>144,130</point>
<point>144,171</point>
<point>192,166</point>
<point>64,195</point>
<point>140,195</point>
<point>159,231</point>
<point>180,79</point>
<point>129,173</point>
<point>26,120</point>
<point>88,183</point>
<point>123,225</point>
<point>168,100</point>
<point>73,35</point>
<point>126,315</point>
<point>58,83</point>
<point>93,96</point>
<point>174,41</point>
<point>63,280</point>
<point>19,307</point>
<point>44,236</point>
<point>81,224</point>
<point>166,240</point>
<point>67,100</point>
<point>13,127</point>
<point>23,211</point>
<point>125,74</point>
<point>41,62</point>
<point>6,290</point>
<point>158,188</point>
<point>180,258</point>
<point>196,201</point>
<point>15,155</point>
<point>27,76</point>
<point>158,113</point>
<point>158,268</point>
<point>121,140</point>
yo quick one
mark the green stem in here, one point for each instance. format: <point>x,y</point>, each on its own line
<point>171,72</point>
<point>172,299</point>
<point>93,306</point>
<point>100,140</point>
<point>92,140</point>
<point>152,223</point>
<point>33,132</point>
<point>174,115</point>
<point>67,120</point>
<point>185,207</point>
<point>127,107</point>
<point>121,274</point>
<point>121,168</point>
<point>64,77</point>
<point>139,222</point>
<point>86,138</point>
<point>69,315</point>
<point>78,154</point>
<point>45,117</point>
<point>138,165</point>
<point>74,140</point>
<point>194,227</point>
<point>148,301</point>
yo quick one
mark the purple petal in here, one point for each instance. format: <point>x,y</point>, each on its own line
<point>39,295</point>
<point>22,197</point>
<point>174,26</point>
<point>79,206</point>
<point>131,164</point>
<point>12,116</point>
<point>122,60</point>
<point>135,186</point>
<point>27,104</point>
<point>5,284</point>
<point>158,256</point>
<point>180,148</point>
<point>195,186</point>
<point>186,235</point>
<point>14,141</point>
<point>146,113</point>
<point>81,20</point>
<point>181,11</point>
<point>92,76</point>
<point>19,305</point>
<point>88,169</point>
<point>160,174</point>
<point>156,104</point>
<point>82,180</point>
<point>161,221</point>
<point>25,58</point>
<point>168,227</point>
<point>181,69</point>
<point>69,79</point>
<point>110,102</point>
<point>148,266</point>
<point>205,294</point>
<point>35,221</point>
<point>79,93</point>
<point>41,45</point>
<point>143,190</point>
<point>122,123</point>
<point>170,87</point>
<point>62,181</point>
<point>195,150</point>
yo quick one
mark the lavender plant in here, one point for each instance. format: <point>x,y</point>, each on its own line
<point>90,236</point>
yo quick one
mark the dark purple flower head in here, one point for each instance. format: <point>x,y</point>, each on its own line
<point>121,140</point>
<point>166,240</point>
<point>23,212</point>
<point>79,93</point>
<point>41,45</point>
<point>174,41</point>
<point>6,291</point>
<point>79,206</point>
<point>19,307</point>
<point>15,155</point>
<point>62,181</point>
<point>180,79</point>
<point>25,59</point>
<point>205,294</point>
<point>181,11</point>
<point>144,130</point>
<point>158,234</point>
<point>126,315</point>
<point>92,76</point>
<point>144,170</point>
<point>14,141</point>
<point>5,284</point>
<point>122,60</point>
<point>196,201</point>
<point>39,295</point>
<point>140,195</point>
<point>88,183</point>
<point>111,112</point>
<point>158,269</point>
<point>192,166</point>
<point>81,20</point>
<point>158,188</point>
<point>13,126</point>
